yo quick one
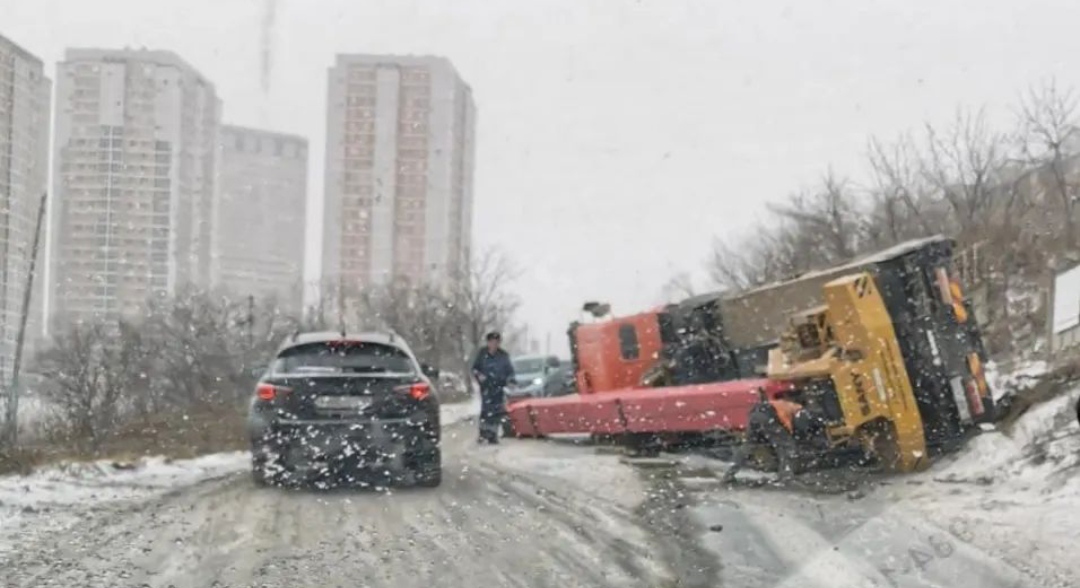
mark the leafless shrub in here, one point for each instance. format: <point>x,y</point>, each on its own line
<point>90,368</point>
<point>187,353</point>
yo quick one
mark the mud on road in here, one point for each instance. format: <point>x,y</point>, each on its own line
<point>486,526</point>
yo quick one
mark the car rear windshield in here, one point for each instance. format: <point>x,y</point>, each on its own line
<point>343,357</point>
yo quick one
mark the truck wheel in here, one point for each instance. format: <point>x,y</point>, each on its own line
<point>644,445</point>
<point>879,440</point>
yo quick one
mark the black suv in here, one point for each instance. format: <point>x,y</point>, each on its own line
<point>332,407</point>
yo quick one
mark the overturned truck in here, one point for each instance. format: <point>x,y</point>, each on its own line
<point>884,350</point>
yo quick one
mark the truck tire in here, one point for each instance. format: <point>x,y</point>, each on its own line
<point>879,441</point>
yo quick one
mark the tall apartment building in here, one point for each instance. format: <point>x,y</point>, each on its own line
<point>135,167</point>
<point>24,164</point>
<point>399,171</point>
<point>261,211</point>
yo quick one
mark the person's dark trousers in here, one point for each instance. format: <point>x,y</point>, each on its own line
<point>765,428</point>
<point>492,411</point>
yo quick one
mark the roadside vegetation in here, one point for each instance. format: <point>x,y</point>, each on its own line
<point>1009,196</point>
<point>175,379</point>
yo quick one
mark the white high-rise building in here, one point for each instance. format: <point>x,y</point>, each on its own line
<point>24,165</point>
<point>135,180</point>
<point>399,171</point>
<point>261,212</point>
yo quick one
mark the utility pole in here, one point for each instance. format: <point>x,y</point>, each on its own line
<point>13,392</point>
<point>341,306</point>
<point>251,322</point>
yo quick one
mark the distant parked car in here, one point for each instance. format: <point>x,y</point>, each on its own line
<point>537,376</point>
<point>336,406</point>
<point>565,378</point>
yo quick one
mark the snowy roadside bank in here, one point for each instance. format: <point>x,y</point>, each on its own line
<point>1003,512</point>
<point>1017,493</point>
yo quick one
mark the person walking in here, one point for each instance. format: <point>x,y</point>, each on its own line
<point>493,370</point>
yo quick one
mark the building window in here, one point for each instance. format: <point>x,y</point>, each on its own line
<point>628,342</point>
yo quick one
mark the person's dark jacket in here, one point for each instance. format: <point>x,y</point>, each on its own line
<point>496,368</point>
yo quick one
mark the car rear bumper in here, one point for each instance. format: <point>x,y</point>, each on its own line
<point>315,447</point>
<point>342,434</point>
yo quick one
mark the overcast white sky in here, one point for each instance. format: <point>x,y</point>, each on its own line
<point>616,138</point>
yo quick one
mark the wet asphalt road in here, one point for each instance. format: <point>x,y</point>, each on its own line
<point>485,526</point>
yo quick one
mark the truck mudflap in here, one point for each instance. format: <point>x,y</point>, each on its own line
<point>700,408</point>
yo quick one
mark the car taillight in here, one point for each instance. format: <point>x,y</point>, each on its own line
<point>417,391</point>
<point>269,391</point>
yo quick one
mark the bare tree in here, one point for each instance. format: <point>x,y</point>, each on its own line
<point>826,220</point>
<point>422,313</point>
<point>963,163</point>
<point>733,267</point>
<point>483,297</point>
<point>678,287</point>
<point>764,256</point>
<point>1048,133</point>
<point>898,195</point>
<point>201,346</point>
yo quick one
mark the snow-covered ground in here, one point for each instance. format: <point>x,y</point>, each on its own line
<point>1016,493</point>
<point>1004,512</point>
<point>460,411</point>
<point>568,466</point>
<point>51,490</point>
<point>1016,378</point>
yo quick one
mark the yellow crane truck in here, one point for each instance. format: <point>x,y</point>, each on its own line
<point>892,361</point>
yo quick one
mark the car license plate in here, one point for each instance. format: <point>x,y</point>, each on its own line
<point>342,403</point>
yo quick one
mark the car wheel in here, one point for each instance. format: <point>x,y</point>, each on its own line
<point>429,469</point>
<point>266,465</point>
<point>259,474</point>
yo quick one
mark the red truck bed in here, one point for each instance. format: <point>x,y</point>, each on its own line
<point>685,409</point>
